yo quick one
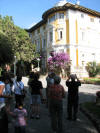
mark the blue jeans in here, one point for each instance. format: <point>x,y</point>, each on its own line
<point>36,99</point>
<point>72,107</point>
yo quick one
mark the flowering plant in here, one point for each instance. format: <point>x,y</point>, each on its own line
<point>57,61</point>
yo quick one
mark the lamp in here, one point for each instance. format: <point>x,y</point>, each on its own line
<point>38,63</point>
<point>15,66</point>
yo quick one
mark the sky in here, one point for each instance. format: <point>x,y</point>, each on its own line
<point>26,13</point>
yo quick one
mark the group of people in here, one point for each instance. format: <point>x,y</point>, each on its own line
<point>55,93</point>
<point>12,88</point>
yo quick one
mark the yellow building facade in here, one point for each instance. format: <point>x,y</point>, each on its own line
<point>69,28</point>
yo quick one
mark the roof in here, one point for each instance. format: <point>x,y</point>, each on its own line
<point>62,8</point>
<point>36,26</point>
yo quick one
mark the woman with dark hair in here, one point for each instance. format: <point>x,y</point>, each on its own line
<point>36,92</point>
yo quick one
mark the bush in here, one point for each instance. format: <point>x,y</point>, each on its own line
<point>0,70</point>
<point>91,81</point>
<point>93,68</point>
<point>58,61</point>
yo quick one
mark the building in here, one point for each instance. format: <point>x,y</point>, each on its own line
<point>69,28</point>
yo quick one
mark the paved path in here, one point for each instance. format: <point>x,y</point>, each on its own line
<point>82,125</point>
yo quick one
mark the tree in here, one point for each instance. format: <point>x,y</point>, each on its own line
<point>58,61</point>
<point>25,49</point>
<point>6,53</point>
<point>19,39</point>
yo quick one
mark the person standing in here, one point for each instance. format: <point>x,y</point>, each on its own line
<point>8,90</point>
<point>73,84</point>
<point>31,77</point>
<point>56,94</point>
<point>20,116</point>
<point>3,113</point>
<point>18,87</point>
<point>36,92</point>
<point>50,81</point>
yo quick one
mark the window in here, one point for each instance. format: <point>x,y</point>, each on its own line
<point>51,19</point>
<point>82,15</point>
<point>50,36</point>
<point>44,44</point>
<point>67,15</point>
<point>60,34</point>
<point>83,36</point>
<point>61,50</point>
<point>30,35</point>
<point>38,45</point>
<point>32,40</point>
<point>44,27</point>
<point>35,42</point>
<point>61,15</point>
<point>38,30</point>
<point>92,19</point>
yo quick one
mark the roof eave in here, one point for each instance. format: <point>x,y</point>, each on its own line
<point>62,8</point>
<point>36,26</point>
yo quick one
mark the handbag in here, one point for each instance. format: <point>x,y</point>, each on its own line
<point>23,92</point>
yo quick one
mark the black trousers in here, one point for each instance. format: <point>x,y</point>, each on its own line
<point>21,129</point>
<point>3,121</point>
<point>56,111</point>
<point>19,99</point>
<point>72,107</point>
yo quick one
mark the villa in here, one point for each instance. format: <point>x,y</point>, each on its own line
<point>69,28</point>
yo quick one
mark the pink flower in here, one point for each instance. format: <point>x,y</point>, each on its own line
<point>58,60</point>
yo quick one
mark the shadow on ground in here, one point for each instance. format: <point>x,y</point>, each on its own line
<point>82,125</point>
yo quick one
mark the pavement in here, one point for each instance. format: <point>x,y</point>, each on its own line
<point>43,125</point>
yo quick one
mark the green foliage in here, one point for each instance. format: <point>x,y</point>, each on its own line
<point>18,39</point>
<point>6,53</point>
<point>0,71</point>
<point>93,68</point>
<point>91,80</point>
